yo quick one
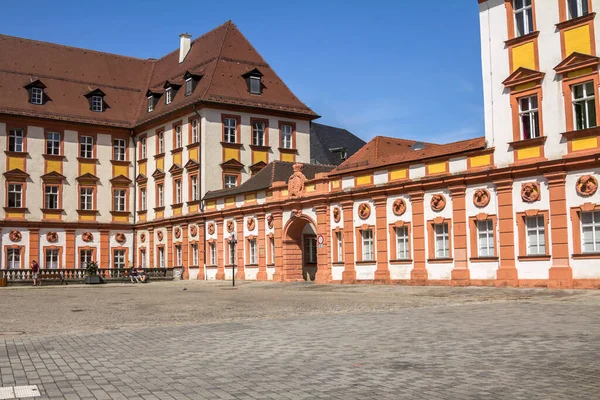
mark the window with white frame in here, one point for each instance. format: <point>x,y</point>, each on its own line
<point>402,243</point>
<point>85,256</point>
<point>160,190</point>
<point>189,86</point>
<point>339,246</point>
<point>52,258</point>
<point>529,116</point>
<point>15,195</point>
<point>252,251</point>
<point>213,253</point>
<point>367,245</point>
<point>577,8</point>
<point>51,197</point>
<point>143,199</point>
<point>286,136</point>
<point>150,103</point>
<point>143,258</point>
<point>119,259</point>
<point>485,238</point>
<point>258,133</point>
<point>442,241</point>
<point>230,127</point>
<point>16,138</point>
<point>255,85</point>
<point>86,147</point>
<point>13,258</point>
<point>178,198</point>
<point>37,95</point>
<point>523,10</point>
<point>168,96</point>
<point>536,235</point>
<point>178,139</point>
<point>120,148</point>
<point>195,129</point>
<point>120,199</point>
<point>86,198</point>
<point>590,232</point>
<point>161,257</point>
<point>272,249</point>
<point>194,187</point>
<point>97,103</point>
<point>161,142</point>
<point>310,250</point>
<point>230,181</point>
<point>194,254</point>
<point>143,148</point>
<point>53,143</point>
<point>178,256</point>
<point>584,105</point>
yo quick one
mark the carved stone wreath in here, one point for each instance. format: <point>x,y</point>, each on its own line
<point>481,198</point>
<point>194,231</point>
<point>270,221</point>
<point>251,224</point>
<point>230,226</point>
<point>337,214</point>
<point>530,192</point>
<point>399,207</point>
<point>159,236</point>
<point>87,237</point>
<point>15,236</point>
<point>364,211</point>
<point>211,229</point>
<point>177,232</point>
<point>587,186</point>
<point>143,237</point>
<point>438,202</point>
<point>52,237</point>
<point>120,238</point>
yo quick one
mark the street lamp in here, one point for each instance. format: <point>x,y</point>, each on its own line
<point>232,243</point>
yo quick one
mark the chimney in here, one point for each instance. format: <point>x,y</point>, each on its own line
<point>184,46</point>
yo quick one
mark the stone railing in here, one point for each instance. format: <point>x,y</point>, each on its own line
<point>79,274</point>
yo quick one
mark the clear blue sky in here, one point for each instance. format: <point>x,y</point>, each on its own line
<point>399,68</point>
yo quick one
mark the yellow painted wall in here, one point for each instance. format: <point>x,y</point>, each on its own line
<point>193,153</point>
<point>159,214</point>
<point>259,156</point>
<point>335,184</point>
<point>14,215</point>
<point>525,86</point>
<point>211,204</point>
<point>16,163</point>
<point>87,218</point>
<point>529,152</point>
<point>52,165</point>
<point>481,161</point>
<point>121,170</point>
<point>284,193</point>
<point>250,197</point>
<point>584,143</point>
<point>160,163</point>
<point>287,157</point>
<point>229,201</point>
<point>524,56</point>
<point>363,180</point>
<point>192,209</point>
<point>580,72</point>
<point>144,169</point>
<point>437,168</point>
<point>231,153</point>
<point>121,218</point>
<point>578,40</point>
<point>52,216</point>
<point>311,188</point>
<point>398,174</point>
<point>177,211</point>
<point>87,168</point>
<point>177,158</point>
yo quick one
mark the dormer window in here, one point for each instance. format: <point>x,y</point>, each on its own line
<point>191,80</point>
<point>189,86</point>
<point>152,98</point>
<point>96,99</point>
<point>254,81</point>
<point>97,104</point>
<point>168,96</point>
<point>37,95</point>
<point>150,103</point>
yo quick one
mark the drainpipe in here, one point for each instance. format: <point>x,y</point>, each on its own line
<point>133,258</point>
<point>201,169</point>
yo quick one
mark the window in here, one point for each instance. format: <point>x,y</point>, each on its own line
<point>189,86</point>
<point>178,191</point>
<point>590,232</point>
<point>230,125</point>
<point>143,199</point>
<point>195,126</point>
<point>402,248</point>
<point>53,143</point>
<point>252,248</point>
<point>577,8</point>
<point>339,246</point>
<point>367,245</point>
<point>119,259</point>
<point>86,198</point>
<point>120,147</point>
<point>168,96</point>
<point>150,103</point>
<point>194,254</point>
<point>442,241</point>
<point>258,134</point>
<point>161,142</point>
<point>485,238</point>
<point>15,195</point>
<point>536,235</point>
<point>97,103</point>
<point>528,113</point>
<point>37,95</point>
<point>86,147</point>
<point>194,187</point>
<point>230,181</point>
<point>523,17</point>
<point>161,257</point>
<point>286,136</point>
<point>13,258</point>
<point>143,258</point>
<point>178,142</point>
<point>161,195</point>
<point>584,106</point>
<point>213,253</point>
<point>143,148</point>
<point>120,197</point>
<point>51,197</point>
<point>85,256</point>
<point>255,85</point>
<point>272,248</point>
<point>52,259</point>
<point>178,256</point>
<point>310,250</point>
<point>15,140</point>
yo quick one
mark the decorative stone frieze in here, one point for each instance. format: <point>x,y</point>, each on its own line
<point>211,228</point>
<point>230,226</point>
<point>337,214</point>
<point>251,224</point>
<point>120,238</point>
<point>296,181</point>
<point>194,231</point>
<point>143,237</point>
<point>177,232</point>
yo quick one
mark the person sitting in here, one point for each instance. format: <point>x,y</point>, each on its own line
<point>133,274</point>
<point>142,275</point>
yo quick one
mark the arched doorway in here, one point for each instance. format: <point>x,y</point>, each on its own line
<point>300,250</point>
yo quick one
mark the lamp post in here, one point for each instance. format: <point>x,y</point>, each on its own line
<point>232,242</point>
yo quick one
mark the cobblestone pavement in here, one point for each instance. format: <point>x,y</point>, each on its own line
<point>281,341</point>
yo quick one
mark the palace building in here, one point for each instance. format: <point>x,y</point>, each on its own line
<point>205,155</point>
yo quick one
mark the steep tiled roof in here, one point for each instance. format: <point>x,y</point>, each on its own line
<point>220,57</point>
<point>383,151</point>
<point>276,171</point>
<point>325,137</point>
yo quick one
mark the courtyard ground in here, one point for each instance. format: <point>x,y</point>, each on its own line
<point>205,340</point>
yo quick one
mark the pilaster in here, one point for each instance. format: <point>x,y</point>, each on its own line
<point>262,248</point>
<point>34,246</point>
<point>460,274</point>
<point>349,274</point>
<point>240,271</point>
<point>561,273</point>
<point>278,235</point>
<point>382,274</point>
<point>220,249</point>
<point>323,254</point>
<point>185,252</point>
<point>507,274</point>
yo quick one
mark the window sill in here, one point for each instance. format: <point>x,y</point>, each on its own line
<point>177,150</point>
<point>193,202</point>
<point>87,160</point>
<point>271,265</point>
<point>142,212</point>
<point>534,258</point>
<point>234,145</point>
<point>483,259</point>
<point>87,212</point>
<point>284,150</point>
<point>193,145</point>
<point>402,261</point>
<point>595,131</point>
<point>161,208</point>
<point>160,155</point>
<point>585,256</point>
<point>519,144</point>
<point>338,263</point>
<point>260,148</point>
<point>16,153</point>
<point>53,157</point>
<point>251,265</point>
<point>367,262</point>
<point>176,205</point>
<point>52,210</point>
<point>440,260</point>
<point>522,39</point>
<point>121,163</point>
<point>16,209</point>
<point>212,266</point>
<point>121,213</point>
<point>575,21</point>
<point>142,160</point>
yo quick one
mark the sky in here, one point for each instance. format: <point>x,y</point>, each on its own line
<point>407,69</point>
